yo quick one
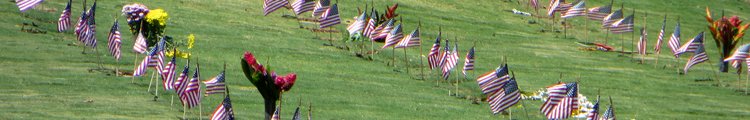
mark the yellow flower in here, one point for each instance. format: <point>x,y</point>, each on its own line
<point>157,16</point>
<point>191,41</point>
<point>178,53</point>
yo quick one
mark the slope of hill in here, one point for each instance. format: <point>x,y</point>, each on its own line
<point>47,77</point>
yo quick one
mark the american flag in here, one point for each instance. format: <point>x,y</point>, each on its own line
<point>553,4</point>
<point>739,54</point>
<point>114,41</point>
<point>384,29</point>
<point>181,82</point>
<point>450,59</point>
<point>493,81</point>
<point>469,61</point>
<point>64,22</point>
<point>623,25</point>
<point>562,101</point>
<point>192,93</point>
<point>320,7</point>
<point>273,5</point>
<point>24,5</point>
<point>80,26</point>
<point>433,58</point>
<point>330,17</point>
<point>296,114</point>
<point>358,24</point>
<point>534,3</point>
<point>140,45</point>
<point>563,7</point>
<point>142,68</point>
<point>410,40</point>
<point>167,75</point>
<point>674,41</point>
<point>90,33</point>
<point>215,85</point>
<point>577,10</point>
<point>609,114</point>
<point>394,37</point>
<point>611,18</point>
<point>692,45</point>
<point>370,26</point>
<point>157,55</point>
<point>302,6</point>
<point>599,13</point>
<point>594,113</point>
<point>276,115</point>
<point>660,38</point>
<point>501,100</point>
<point>699,54</point>
<point>642,44</point>
<point>224,111</point>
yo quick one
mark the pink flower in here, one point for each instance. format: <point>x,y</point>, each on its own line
<point>250,59</point>
<point>285,82</point>
<point>735,21</point>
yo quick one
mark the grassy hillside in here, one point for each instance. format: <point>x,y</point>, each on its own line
<point>47,78</point>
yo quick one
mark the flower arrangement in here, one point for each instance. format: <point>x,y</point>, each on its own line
<point>175,45</point>
<point>149,22</point>
<point>270,85</point>
<point>726,33</point>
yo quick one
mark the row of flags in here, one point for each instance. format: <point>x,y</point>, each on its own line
<point>328,14</point>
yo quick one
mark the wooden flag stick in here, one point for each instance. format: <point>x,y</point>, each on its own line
<point>150,82</point>
<point>632,35</point>
<point>421,55</point>
<point>565,29</point>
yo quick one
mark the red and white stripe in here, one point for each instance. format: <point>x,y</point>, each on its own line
<point>167,75</point>
<point>192,93</point>
<point>302,6</point>
<point>393,37</point>
<point>140,45</point>
<point>642,44</point>
<point>24,5</point>
<point>410,40</point>
<point>114,41</point>
<point>577,10</point>
<point>64,22</point>
<point>141,68</point>
<point>273,5</point>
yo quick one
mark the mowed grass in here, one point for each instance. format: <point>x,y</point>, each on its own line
<point>45,78</point>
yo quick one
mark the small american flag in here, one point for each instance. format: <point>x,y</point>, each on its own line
<point>692,45</point>
<point>64,22</point>
<point>276,115</point>
<point>699,54</point>
<point>302,6</point>
<point>215,85</point>
<point>273,5</point>
<point>660,38</point>
<point>433,58</point>
<point>330,17</point>
<point>450,59</point>
<point>594,113</point>
<point>674,41</point>
<point>141,68</point>
<point>642,44</point>
<point>469,61</point>
<point>599,13</point>
<point>501,100</point>
<point>553,4</point>
<point>563,7</point>
<point>577,10</point>
<point>384,29</point>
<point>82,28</point>
<point>611,18</point>
<point>114,41</point>
<point>192,93</point>
<point>492,81</point>
<point>140,45</point>
<point>320,7</point>
<point>394,37</point>
<point>370,26</point>
<point>410,40</point>
<point>740,53</point>
<point>24,5</point>
<point>444,60</point>
<point>358,25</point>
<point>623,25</point>
<point>167,75</point>
<point>90,33</point>
<point>157,55</point>
<point>562,101</point>
<point>181,82</point>
<point>609,114</point>
<point>224,111</point>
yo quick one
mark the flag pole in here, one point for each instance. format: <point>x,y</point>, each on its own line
<point>632,35</point>
<point>406,59</point>
<point>421,54</point>
<point>135,60</point>
<point>151,81</point>
<point>645,53</point>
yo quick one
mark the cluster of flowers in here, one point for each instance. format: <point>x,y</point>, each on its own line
<point>135,12</point>
<point>157,16</point>
<point>583,102</point>
<point>283,83</point>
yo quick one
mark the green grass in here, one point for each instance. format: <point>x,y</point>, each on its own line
<point>44,78</point>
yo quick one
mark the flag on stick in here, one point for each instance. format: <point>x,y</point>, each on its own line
<point>642,43</point>
<point>24,5</point>
<point>611,18</point>
<point>330,17</point>
<point>623,25</point>
<point>320,7</point>
<point>224,111</point>
<point>433,58</point>
<point>192,93</point>
<point>410,40</point>
<point>302,6</point>
<point>167,75</point>
<point>660,38</point>
<point>64,22</point>
<point>114,41</point>
<point>674,41</point>
<point>508,96</point>
<point>562,101</point>
<point>215,85</point>
<point>577,10</point>
<point>469,61</point>
<point>394,37</point>
<point>699,54</point>
<point>273,5</point>
<point>599,13</point>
